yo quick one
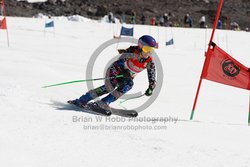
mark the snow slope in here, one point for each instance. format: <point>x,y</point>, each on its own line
<point>39,129</point>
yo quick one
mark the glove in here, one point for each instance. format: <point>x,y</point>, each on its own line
<point>126,73</point>
<point>149,92</point>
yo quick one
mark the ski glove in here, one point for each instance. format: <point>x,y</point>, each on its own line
<point>149,92</point>
<point>126,73</point>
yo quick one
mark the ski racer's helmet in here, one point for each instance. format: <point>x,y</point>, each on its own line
<point>147,40</point>
<point>147,43</point>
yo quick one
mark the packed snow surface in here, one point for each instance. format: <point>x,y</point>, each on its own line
<point>38,128</point>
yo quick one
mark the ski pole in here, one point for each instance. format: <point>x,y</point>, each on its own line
<point>86,80</point>
<point>136,97</point>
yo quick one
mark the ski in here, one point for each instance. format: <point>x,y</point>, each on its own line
<point>114,111</point>
<point>89,110</point>
<point>124,113</point>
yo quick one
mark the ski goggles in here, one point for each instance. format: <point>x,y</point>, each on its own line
<point>147,49</point>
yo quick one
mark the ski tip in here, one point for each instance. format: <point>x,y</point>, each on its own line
<point>69,101</point>
<point>109,114</point>
<point>135,114</point>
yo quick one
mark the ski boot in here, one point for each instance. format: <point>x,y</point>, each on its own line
<point>100,107</point>
<point>78,103</point>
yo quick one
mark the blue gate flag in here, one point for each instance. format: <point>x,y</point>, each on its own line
<point>50,24</point>
<point>127,31</point>
<point>170,42</point>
